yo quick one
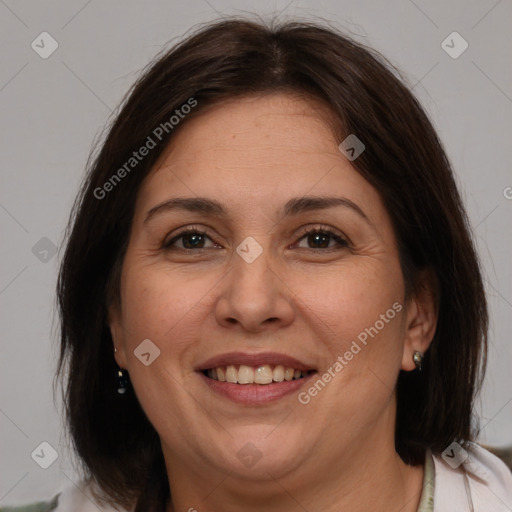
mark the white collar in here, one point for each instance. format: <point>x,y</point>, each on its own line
<point>481,483</point>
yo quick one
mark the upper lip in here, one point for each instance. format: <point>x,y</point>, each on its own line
<point>254,359</point>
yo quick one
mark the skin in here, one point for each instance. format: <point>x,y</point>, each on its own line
<point>303,297</point>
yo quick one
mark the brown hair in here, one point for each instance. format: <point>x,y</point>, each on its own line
<point>404,160</point>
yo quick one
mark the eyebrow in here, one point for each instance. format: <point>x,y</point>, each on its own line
<point>291,208</point>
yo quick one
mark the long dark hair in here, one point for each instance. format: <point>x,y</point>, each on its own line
<point>405,162</point>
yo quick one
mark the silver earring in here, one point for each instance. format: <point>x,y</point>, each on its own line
<point>122,381</point>
<point>417,357</point>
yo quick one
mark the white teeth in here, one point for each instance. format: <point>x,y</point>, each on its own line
<point>245,374</point>
<point>231,374</point>
<point>278,374</point>
<point>288,374</point>
<point>263,374</point>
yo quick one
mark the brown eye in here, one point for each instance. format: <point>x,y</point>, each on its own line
<point>319,238</point>
<point>191,239</point>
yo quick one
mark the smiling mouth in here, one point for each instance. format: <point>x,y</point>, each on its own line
<point>263,374</point>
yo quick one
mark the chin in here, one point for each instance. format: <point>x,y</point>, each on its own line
<point>258,453</point>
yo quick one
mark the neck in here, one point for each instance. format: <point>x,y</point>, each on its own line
<point>360,480</point>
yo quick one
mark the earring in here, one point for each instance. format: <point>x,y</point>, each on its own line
<point>122,381</point>
<point>417,357</point>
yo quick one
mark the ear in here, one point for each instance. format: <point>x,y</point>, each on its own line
<point>116,331</point>
<point>420,318</point>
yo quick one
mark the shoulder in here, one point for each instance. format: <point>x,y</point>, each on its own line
<point>69,499</point>
<point>40,506</point>
<point>474,478</point>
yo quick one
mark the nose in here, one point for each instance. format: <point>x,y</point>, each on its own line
<point>254,296</point>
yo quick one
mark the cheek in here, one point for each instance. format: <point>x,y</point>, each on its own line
<point>159,304</point>
<point>356,302</point>
<point>358,312</point>
<point>164,307</point>
<point>360,317</point>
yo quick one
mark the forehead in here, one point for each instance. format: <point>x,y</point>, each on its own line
<point>256,151</point>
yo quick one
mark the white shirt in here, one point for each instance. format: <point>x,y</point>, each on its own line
<point>484,486</point>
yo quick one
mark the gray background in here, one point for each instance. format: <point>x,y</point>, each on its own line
<point>51,110</point>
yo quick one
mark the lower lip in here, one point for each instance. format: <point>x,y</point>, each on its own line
<point>255,394</point>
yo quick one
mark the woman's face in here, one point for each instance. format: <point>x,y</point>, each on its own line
<point>254,175</point>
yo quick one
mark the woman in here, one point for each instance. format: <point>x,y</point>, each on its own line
<point>270,298</point>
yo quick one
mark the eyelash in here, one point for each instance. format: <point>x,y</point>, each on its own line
<point>342,243</point>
